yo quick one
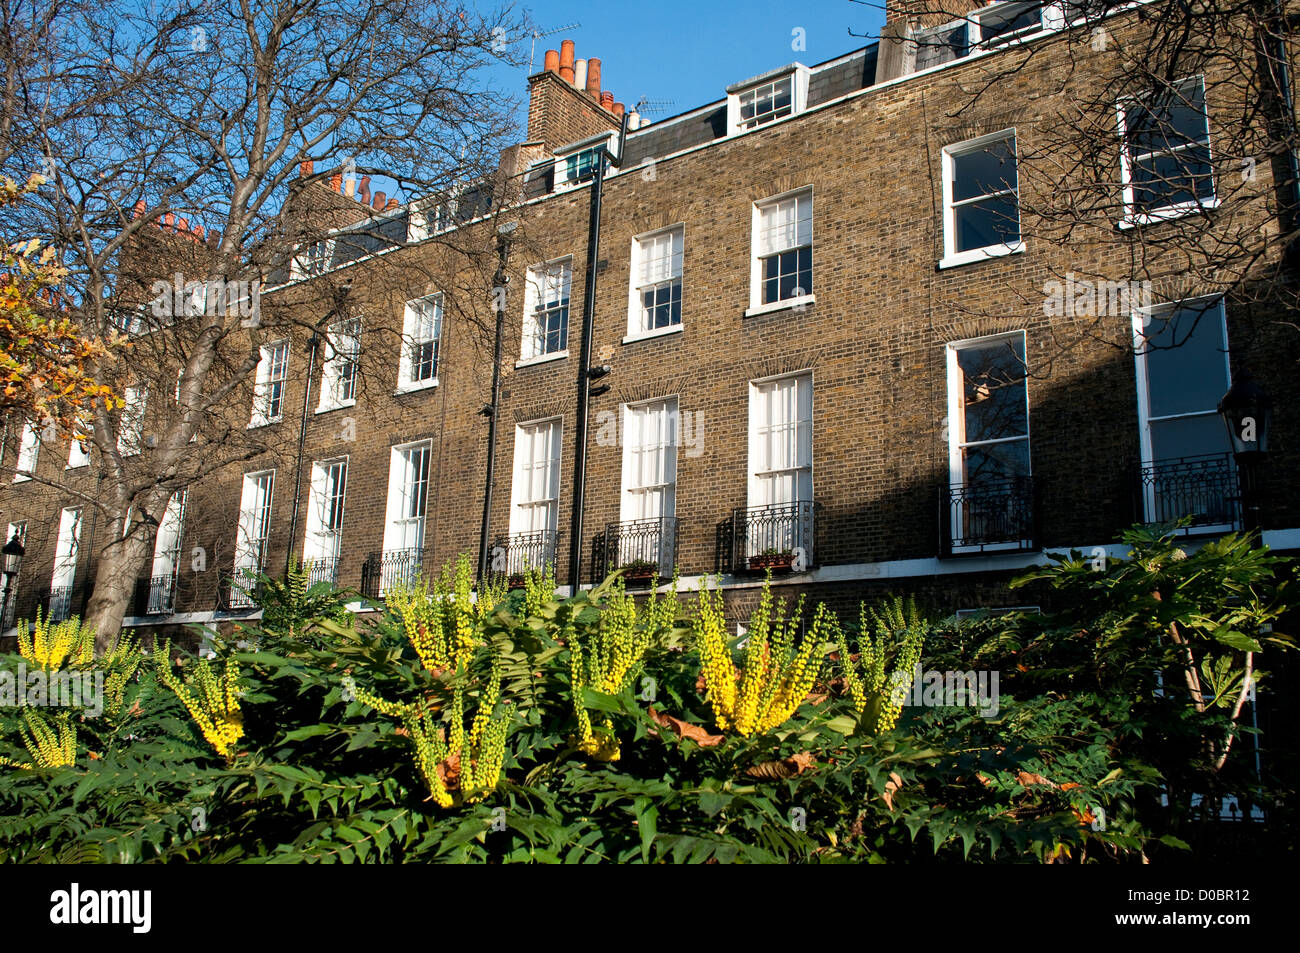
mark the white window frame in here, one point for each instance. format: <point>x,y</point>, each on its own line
<point>1132,218</point>
<point>796,74</point>
<point>761,425</point>
<point>524,504</point>
<point>67,551</point>
<point>760,472</point>
<point>756,305</point>
<point>952,257</point>
<point>167,545</point>
<point>957,424</point>
<point>636,314</point>
<point>29,453</point>
<point>409,478</point>
<point>539,276</point>
<point>130,434</point>
<point>253,532</point>
<point>566,178</point>
<point>78,453</point>
<point>264,381</point>
<point>414,327</point>
<point>313,258</point>
<point>663,416</point>
<point>326,503</point>
<point>343,348</point>
<point>1141,317</point>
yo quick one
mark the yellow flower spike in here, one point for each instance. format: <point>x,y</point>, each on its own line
<point>51,645</point>
<point>774,677</point>
<point>50,747</point>
<point>213,704</point>
<point>470,761</point>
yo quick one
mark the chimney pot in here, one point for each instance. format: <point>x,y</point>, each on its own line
<point>607,101</point>
<point>619,109</point>
<point>364,189</point>
<point>139,209</point>
<point>306,168</point>
<point>350,186</point>
<point>593,77</point>
<point>183,225</point>
<point>552,61</point>
<point>392,204</point>
<point>580,73</point>
<point>336,181</point>
<point>169,220</point>
<point>566,61</point>
<point>378,204</point>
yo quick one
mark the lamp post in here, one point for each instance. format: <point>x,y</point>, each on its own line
<point>1247,412</point>
<point>505,232</point>
<point>13,552</point>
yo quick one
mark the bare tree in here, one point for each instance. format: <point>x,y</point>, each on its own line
<point>196,139</point>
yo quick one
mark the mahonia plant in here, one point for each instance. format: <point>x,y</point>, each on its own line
<point>442,622</point>
<point>122,663</point>
<point>900,631</point>
<point>50,746</point>
<point>211,700</point>
<point>51,645</point>
<point>777,672</point>
<point>607,656</point>
<point>539,589</point>
<point>458,767</point>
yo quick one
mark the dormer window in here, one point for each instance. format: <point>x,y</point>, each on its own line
<point>763,104</point>
<point>1004,22</point>
<point>995,26</point>
<point>767,98</point>
<point>578,163</point>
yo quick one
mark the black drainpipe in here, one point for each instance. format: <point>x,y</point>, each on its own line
<point>313,345</point>
<point>491,411</point>
<point>584,361</point>
<point>1285,124</point>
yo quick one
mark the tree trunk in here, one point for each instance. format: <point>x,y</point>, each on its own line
<point>118,567</point>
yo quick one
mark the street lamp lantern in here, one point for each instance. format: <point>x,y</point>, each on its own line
<point>1247,412</point>
<point>13,551</point>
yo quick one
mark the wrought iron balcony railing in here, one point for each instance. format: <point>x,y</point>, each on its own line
<point>778,537</point>
<point>162,595</point>
<point>1202,487</point>
<point>518,553</point>
<point>393,567</point>
<point>240,590</point>
<point>642,548</point>
<point>322,569</point>
<point>989,516</point>
<point>60,603</point>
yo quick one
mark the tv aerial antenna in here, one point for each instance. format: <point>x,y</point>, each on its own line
<point>646,106</point>
<point>539,34</point>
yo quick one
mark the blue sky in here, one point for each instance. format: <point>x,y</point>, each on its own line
<point>688,51</point>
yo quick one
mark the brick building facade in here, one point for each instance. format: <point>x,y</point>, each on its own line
<point>830,340</point>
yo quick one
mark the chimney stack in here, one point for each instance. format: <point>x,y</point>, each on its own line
<point>593,77</point>
<point>619,109</point>
<point>139,209</point>
<point>392,204</point>
<point>350,186</point>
